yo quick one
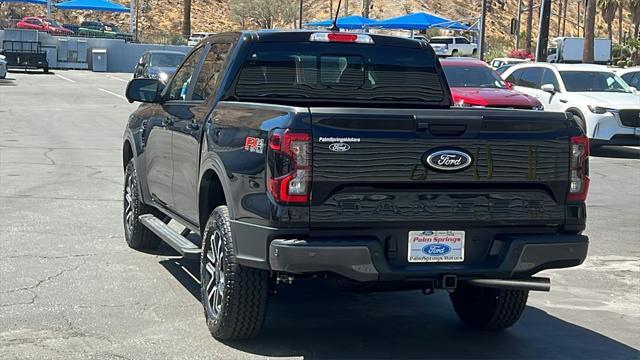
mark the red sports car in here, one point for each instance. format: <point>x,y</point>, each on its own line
<point>49,25</point>
<point>474,83</point>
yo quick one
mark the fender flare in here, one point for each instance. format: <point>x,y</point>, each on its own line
<point>128,137</point>
<point>212,162</point>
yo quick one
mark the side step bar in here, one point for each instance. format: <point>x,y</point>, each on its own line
<point>533,284</point>
<point>181,244</point>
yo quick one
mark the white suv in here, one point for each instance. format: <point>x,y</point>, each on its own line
<point>605,103</point>
<point>453,46</point>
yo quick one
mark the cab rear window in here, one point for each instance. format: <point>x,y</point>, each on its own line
<point>339,73</point>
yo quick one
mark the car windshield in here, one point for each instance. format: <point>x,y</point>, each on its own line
<point>593,81</point>
<point>339,73</point>
<point>473,77</point>
<point>53,22</point>
<point>168,60</point>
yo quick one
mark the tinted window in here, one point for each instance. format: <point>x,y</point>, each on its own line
<point>441,41</point>
<point>473,76</point>
<point>165,60</point>
<point>632,79</point>
<point>462,41</point>
<point>548,77</point>
<point>531,77</point>
<point>182,78</point>
<point>339,73</point>
<point>211,69</point>
<point>593,81</point>
<point>515,76</point>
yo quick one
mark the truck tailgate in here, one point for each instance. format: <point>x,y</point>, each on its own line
<point>369,168</point>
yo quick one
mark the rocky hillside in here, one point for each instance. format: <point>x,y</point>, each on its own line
<point>165,16</point>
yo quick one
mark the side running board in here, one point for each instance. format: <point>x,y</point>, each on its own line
<point>181,244</point>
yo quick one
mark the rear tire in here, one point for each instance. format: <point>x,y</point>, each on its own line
<point>234,297</point>
<point>137,235</point>
<point>454,53</point>
<point>474,53</point>
<point>486,308</point>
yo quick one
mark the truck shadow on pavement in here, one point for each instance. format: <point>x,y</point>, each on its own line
<point>317,320</point>
<point>617,152</point>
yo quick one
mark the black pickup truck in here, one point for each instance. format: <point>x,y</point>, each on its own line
<point>336,155</point>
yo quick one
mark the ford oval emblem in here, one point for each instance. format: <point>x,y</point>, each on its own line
<point>339,147</point>
<point>436,249</point>
<point>447,160</point>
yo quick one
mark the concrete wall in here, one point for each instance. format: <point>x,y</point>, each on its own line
<point>121,56</point>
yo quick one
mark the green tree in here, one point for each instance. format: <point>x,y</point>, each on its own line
<point>265,14</point>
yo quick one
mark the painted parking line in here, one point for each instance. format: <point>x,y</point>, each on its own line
<point>116,78</point>
<point>112,93</point>
<point>65,78</point>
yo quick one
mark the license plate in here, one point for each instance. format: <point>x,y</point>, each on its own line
<point>638,131</point>
<point>436,246</point>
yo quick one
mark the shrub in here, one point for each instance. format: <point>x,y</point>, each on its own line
<point>520,54</point>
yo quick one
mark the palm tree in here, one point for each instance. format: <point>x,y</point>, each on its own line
<point>620,7</point>
<point>589,31</point>
<point>529,28</point>
<point>186,18</point>
<point>608,10</point>
<point>634,7</point>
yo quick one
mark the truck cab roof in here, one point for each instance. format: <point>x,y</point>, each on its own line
<point>305,35</point>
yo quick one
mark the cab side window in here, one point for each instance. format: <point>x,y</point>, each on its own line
<point>548,77</point>
<point>461,41</point>
<point>212,68</point>
<point>181,80</point>
<point>514,78</point>
<point>531,78</point>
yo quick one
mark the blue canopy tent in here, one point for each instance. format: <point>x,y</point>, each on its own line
<point>38,2</point>
<point>347,22</point>
<point>95,5</point>
<point>419,21</point>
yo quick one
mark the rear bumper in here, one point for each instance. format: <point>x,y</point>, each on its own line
<point>517,257</point>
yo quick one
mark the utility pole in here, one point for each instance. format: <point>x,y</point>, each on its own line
<point>131,14</point>
<point>519,17</point>
<point>49,9</point>
<point>579,2</point>
<point>301,6</point>
<point>543,30</point>
<point>564,18</point>
<point>481,28</point>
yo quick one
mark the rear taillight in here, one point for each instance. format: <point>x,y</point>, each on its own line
<point>579,169</point>
<point>290,166</point>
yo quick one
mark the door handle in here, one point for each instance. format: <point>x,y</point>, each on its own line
<point>167,122</point>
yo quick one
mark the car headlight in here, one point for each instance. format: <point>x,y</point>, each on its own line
<point>163,76</point>
<point>539,108</point>
<point>600,109</point>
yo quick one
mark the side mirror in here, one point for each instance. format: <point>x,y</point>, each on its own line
<point>144,90</point>
<point>548,88</point>
<point>509,84</point>
<point>634,90</point>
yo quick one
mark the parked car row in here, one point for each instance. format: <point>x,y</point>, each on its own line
<point>86,28</point>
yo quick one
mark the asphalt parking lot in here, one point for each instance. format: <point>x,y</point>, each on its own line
<point>70,288</point>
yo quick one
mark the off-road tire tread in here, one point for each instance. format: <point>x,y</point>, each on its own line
<point>502,314</point>
<point>246,290</point>
<point>140,238</point>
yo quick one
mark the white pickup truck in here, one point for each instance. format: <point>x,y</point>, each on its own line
<point>453,46</point>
